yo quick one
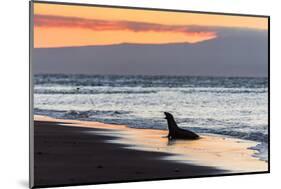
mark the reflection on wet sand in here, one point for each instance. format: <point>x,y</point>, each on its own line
<point>210,150</point>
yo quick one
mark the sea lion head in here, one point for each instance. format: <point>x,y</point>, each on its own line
<point>168,115</point>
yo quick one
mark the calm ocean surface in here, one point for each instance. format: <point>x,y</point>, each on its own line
<point>235,107</point>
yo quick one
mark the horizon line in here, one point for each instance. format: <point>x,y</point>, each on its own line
<point>149,75</point>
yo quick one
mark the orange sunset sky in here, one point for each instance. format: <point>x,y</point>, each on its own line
<point>68,25</point>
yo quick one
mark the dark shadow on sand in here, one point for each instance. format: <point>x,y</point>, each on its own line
<point>67,155</point>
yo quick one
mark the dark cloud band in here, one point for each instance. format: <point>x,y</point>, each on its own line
<point>102,25</point>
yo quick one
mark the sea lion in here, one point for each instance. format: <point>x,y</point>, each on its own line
<point>177,133</point>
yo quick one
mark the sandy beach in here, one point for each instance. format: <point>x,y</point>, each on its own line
<point>70,152</point>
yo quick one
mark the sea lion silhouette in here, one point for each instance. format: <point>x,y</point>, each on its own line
<point>177,133</point>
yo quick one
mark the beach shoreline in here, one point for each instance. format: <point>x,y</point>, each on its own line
<point>77,152</point>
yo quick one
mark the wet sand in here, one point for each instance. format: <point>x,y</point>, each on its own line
<point>71,152</point>
<point>68,155</point>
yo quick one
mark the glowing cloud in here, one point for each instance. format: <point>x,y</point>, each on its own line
<point>107,25</point>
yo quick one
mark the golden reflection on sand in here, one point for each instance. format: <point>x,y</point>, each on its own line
<point>210,150</point>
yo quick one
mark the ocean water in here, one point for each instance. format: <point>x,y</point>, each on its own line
<point>229,106</point>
